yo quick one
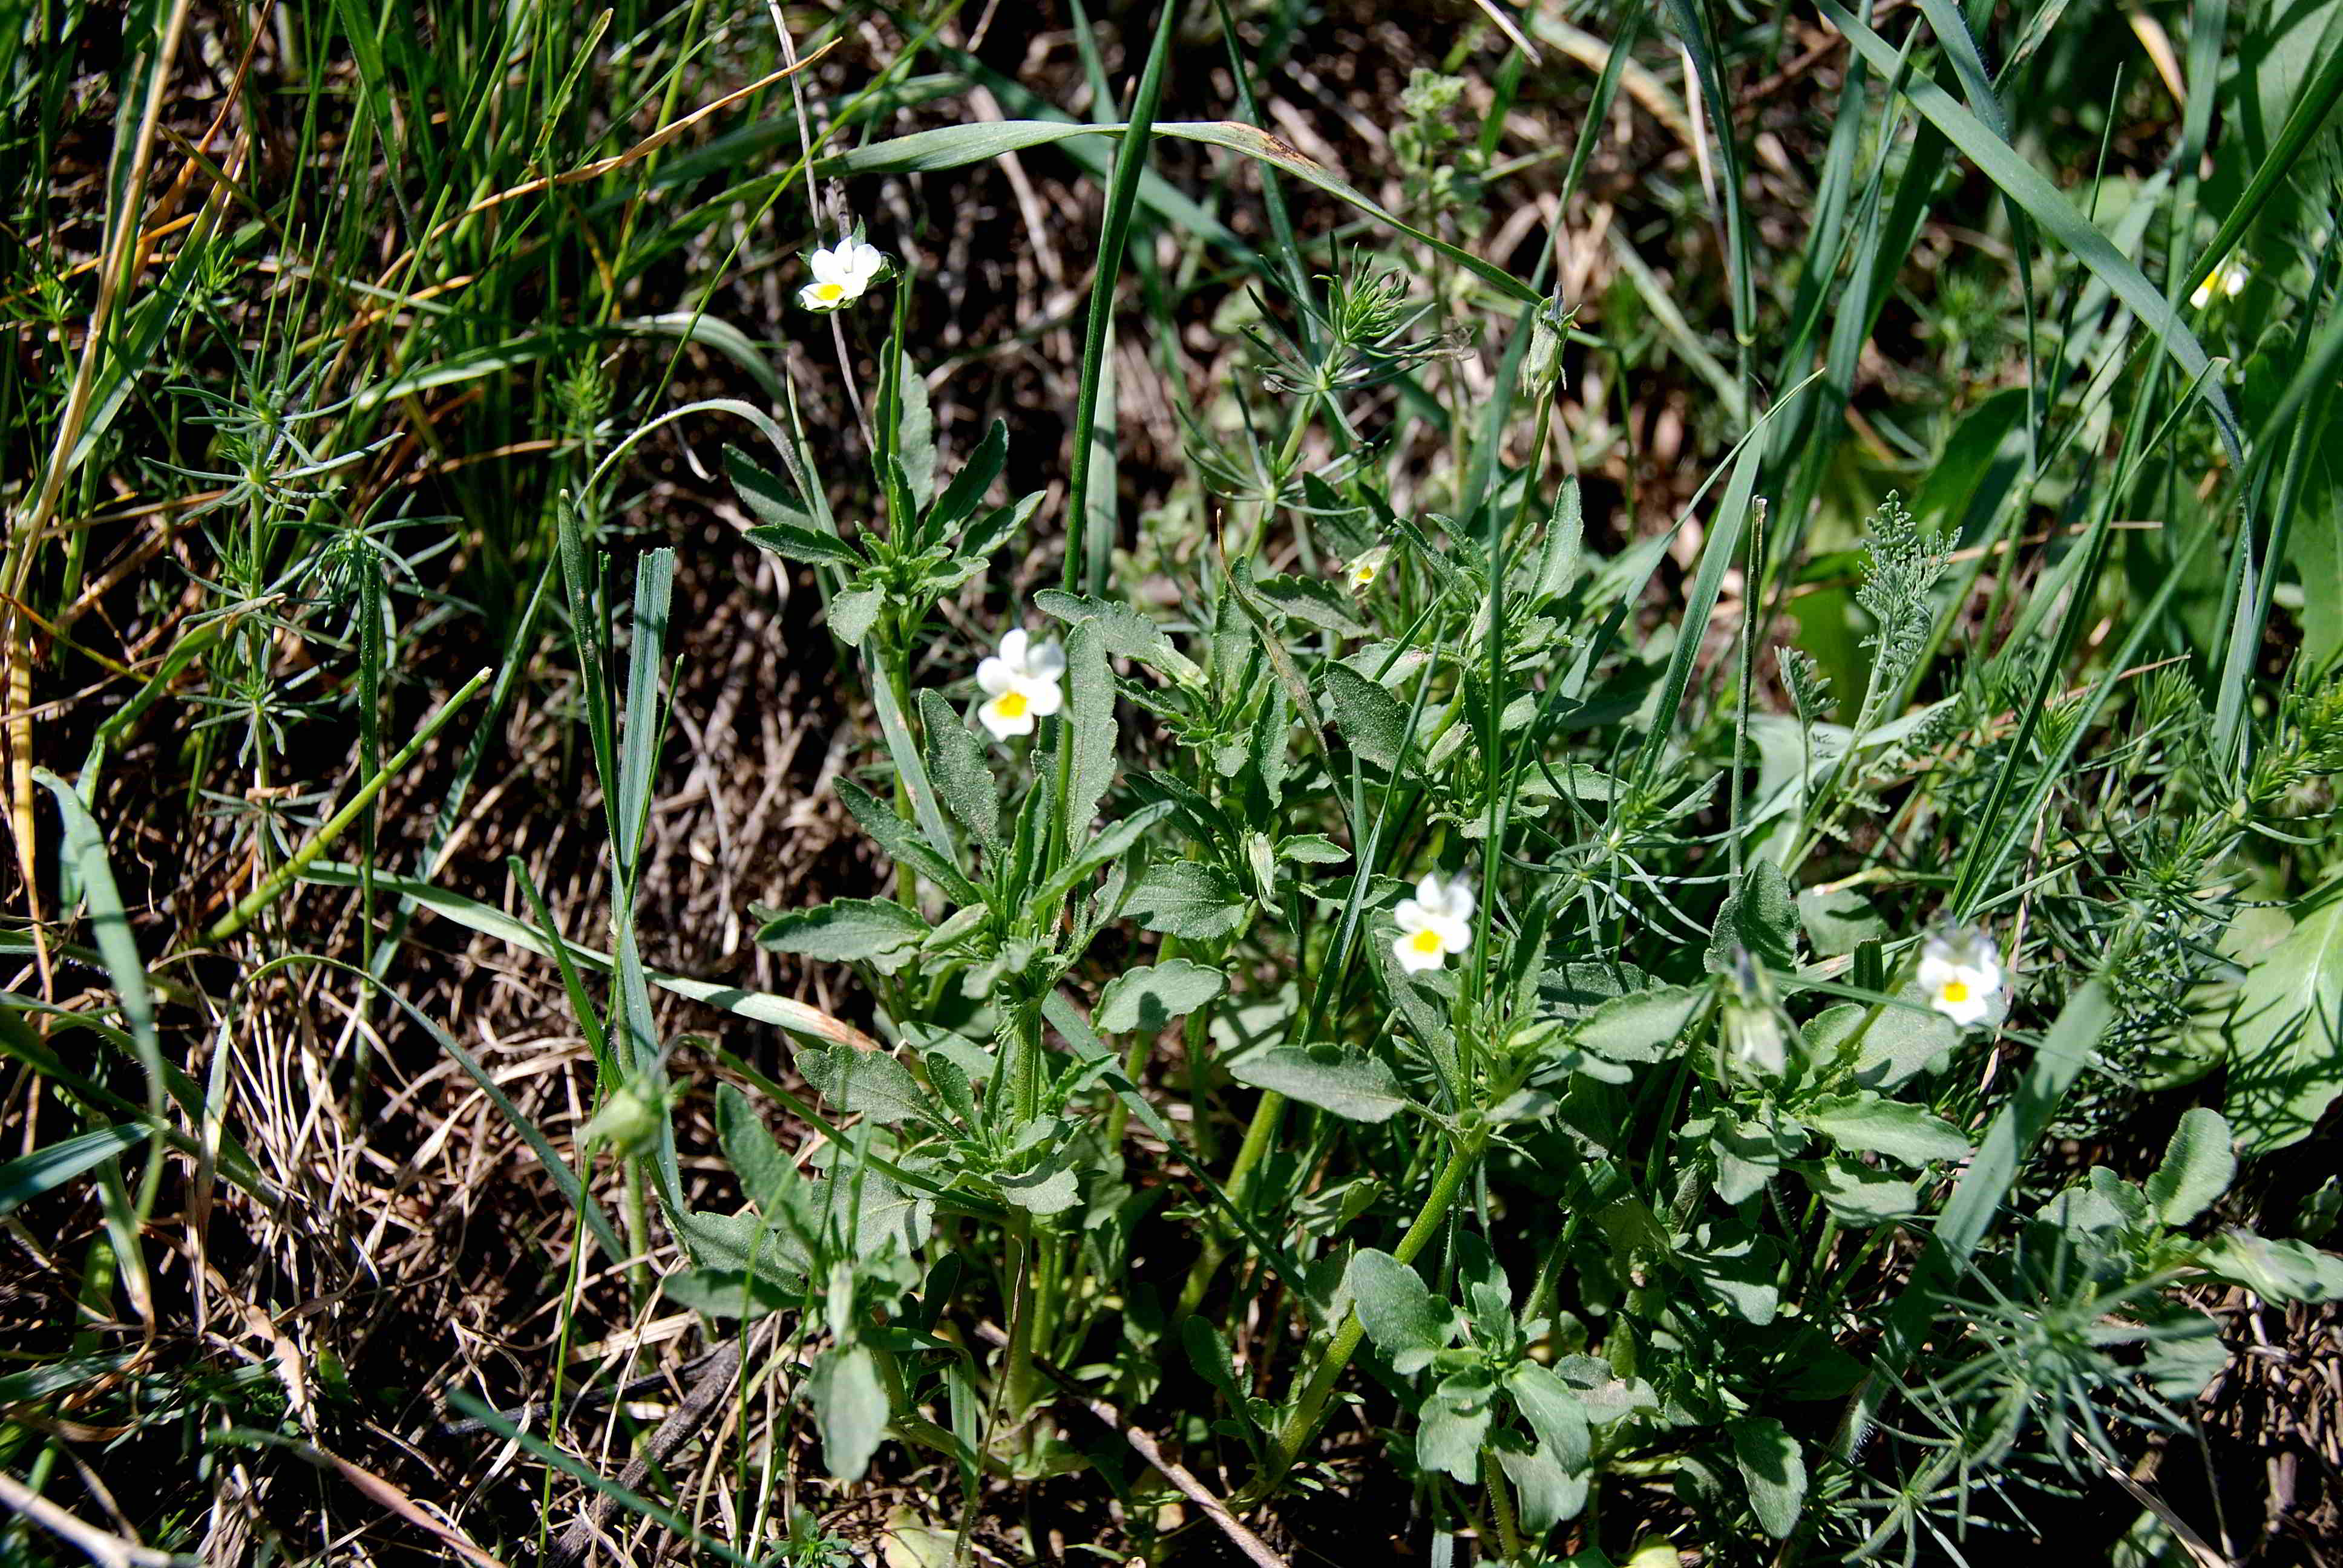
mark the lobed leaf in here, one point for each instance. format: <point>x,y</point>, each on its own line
<point>1152,995</point>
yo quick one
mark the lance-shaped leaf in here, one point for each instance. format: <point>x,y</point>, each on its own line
<point>874,931</point>
<point>2199,1166</point>
<point>1089,716</point>
<point>1356,1087</point>
<point>956,762</point>
<point>865,1082</point>
<point>1871,1124</point>
<point>850,1408</point>
<point>1775,1469</point>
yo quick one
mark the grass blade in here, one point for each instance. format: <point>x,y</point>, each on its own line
<point>334,826</point>
<point>1088,567</point>
<point>29,1176</point>
<point>763,1007</point>
<point>952,147</point>
<point>2056,216</point>
<point>85,848</point>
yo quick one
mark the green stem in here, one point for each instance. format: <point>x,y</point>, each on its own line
<point>639,1233</point>
<point>1265,1118</point>
<point>1288,453</point>
<point>561,1359</point>
<point>1266,1115</point>
<point>1017,1375</point>
<point>1027,1080</point>
<point>896,661</point>
<point>1500,1504</point>
<point>1302,1425</point>
<point>261,897</point>
<point>1048,1281</point>
<point>1199,1085</point>
<point>1134,1060</point>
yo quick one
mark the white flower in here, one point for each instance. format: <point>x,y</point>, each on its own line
<point>1360,574</point>
<point>1021,685</point>
<point>1434,923</point>
<point>841,274</point>
<point>1961,974</point>
<point>2228,279</point>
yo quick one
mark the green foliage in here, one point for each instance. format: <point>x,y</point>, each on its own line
<point>2280,1032</point>
<point>1425,925</point>
<point>1152,995</point>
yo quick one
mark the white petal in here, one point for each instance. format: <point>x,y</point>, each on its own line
<point>1460,900</point>
<point>994,677</point>
<point>1013,650</point>
<point>1046,661</point>
<point>829,267</point>
<point>1411,915</point>
<point>1044,697</point>
<point>864,262</point>
<point>1936,968</point>
<point>1001,724</point>
<point>1979,955</point>
<point>1431,894</point>
<point>1964,1012</point>
<point>1413,960</point>
<point>1455,933</point>
<point>2202,297</point>
<point>811,297</point>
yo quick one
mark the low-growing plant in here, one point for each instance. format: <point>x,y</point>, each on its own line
<point>1510,950</point>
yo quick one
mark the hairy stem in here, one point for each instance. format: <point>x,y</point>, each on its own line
<point>1501,1505</point>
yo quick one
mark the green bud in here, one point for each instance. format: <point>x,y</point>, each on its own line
<point>1549,330</point>
<point>630,1119</point>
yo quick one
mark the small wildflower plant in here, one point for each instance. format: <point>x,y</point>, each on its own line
<point>1428,936</point>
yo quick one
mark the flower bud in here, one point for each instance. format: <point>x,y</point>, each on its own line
<point>629,1121</point>
<point>1549,330</point>
<point>1752,1025</point>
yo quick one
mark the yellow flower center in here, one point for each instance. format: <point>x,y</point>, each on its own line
<point>1426,941</point>
<point>1363,575</point>
<point>1956,991</point>
<point>828,291</point>
<point>1012,704</point>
